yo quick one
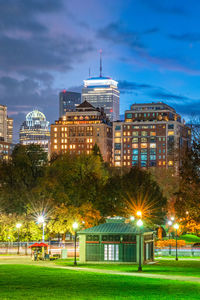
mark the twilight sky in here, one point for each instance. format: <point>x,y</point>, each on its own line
<point>152,47</point>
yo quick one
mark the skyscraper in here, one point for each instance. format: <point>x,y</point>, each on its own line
<point>6,133</point>
<point>102,92</point>
<point>35,130</point>
<point>68,101</point>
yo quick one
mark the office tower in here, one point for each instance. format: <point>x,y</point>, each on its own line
<point>35,130</point>
<point>6,133</point>
<point>102,92</point>
<point>68,101</point>
<point>78,131</point>
<point>152,135</point>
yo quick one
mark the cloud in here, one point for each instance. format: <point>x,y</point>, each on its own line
<point>161,94</point>
<point>129,86</point>
<point>186,37</point>
<point>165,7</point>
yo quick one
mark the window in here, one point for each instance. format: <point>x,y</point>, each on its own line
<point>55,129</point>
<point>135,140</point>
<point>111,252</point>
<point>143,140</point>
<point>135,133</point>
<point>117,134</point>
<point>170,126</point>
<point>129,116</point>
<point>153,133</point>
<point>152,157</point>
<point>117,127</point>
<point>143,151</point>
<point>135,151</point>
<point>117,140</point>
<point>143,157</point>
<point>134,146</point>
<point>143,163</point>
<point>170,163</point>
<point>55,141</point>
<point>152,145</point>
<point>144,133</point>
<point>55,147</point>
<point>170,132</point>
<point>135,157</point>
<point>143,145</point>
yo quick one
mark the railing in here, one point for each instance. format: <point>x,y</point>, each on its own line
<point>54,247</point>
<point>182,251</point>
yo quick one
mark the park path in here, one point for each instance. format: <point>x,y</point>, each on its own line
<point>28,261</point>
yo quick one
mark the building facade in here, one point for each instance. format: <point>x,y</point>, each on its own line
<point>152,135</point>
<point>78,131</point>
<point>68,101</point>
<point>6,133</point>
<point>102,92</point>
<point>35,130</point>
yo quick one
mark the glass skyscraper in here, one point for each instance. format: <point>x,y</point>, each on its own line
<point>35,130</point>
<point>68,101</point>
<point>102,92</point>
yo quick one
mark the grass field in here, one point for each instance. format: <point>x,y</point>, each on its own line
<point>33,282</point>
<point>166,267</point>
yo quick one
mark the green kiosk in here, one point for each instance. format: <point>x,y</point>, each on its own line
<point>116,241</point>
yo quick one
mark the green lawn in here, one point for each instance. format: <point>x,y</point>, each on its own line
<point>167,267</point>
<point>33,282</point>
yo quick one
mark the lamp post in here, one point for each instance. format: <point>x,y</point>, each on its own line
<point>75,226</point>
<point>18,225</point>
<point>139,224</point>
<point>41,220</point>
<point>176,226</point>
<point>170,246</point>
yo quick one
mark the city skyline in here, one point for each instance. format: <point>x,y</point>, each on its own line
<point>55,44</point>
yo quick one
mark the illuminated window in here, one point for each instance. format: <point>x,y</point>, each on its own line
<point>124,139</point>
<point>55,141</point>
<point>159,163</point>
<point>134,146</point>
<point>152,145</point>
<point>62,128</point>
<point>124,133</point>
<point>117,163</point>
<point>70,146</point>
<point>171,132</point>
<point>117,134</point>
<point>135,133</point>
<point>128,163</point>
<point>128,133</point>
<point>163,163</point>
<point>135,140</point>
<point>117,140</point>
<point>143,145</point>
<point>135,151</point>
<point>144,133</point>
<point>55,147</point>
<point>55,129</point>
<point>124,157</point>
<point>74,147</point>
<point>55,134</point>
<point>143,140</point>
<point>153,133</point>
<point>170,163</point>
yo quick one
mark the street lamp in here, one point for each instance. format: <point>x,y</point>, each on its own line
<point>139,213</point>
<point>139,224</point>
<point>132,218</point>
<point>41,220</point>
<point>176,226</point>
<point>170,247</point>
<point>18,225</point>
<point>75,227</point>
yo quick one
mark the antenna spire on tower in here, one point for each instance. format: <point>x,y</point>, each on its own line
<point>89,72</point>
<point>100,62</point>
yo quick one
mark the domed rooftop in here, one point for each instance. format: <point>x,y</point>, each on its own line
<point>35,114</point>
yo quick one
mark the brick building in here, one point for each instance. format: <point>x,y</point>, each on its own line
<point>78,131</point>
<point>152,135</point>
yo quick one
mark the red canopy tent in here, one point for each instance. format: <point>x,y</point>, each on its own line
<point>38,245</point>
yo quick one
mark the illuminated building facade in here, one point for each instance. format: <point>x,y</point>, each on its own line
<point>152,135</point>
<point>6,133</point>
<point>102,92</point>
<point>68,101</point>
<point>78,131</point>
<point>35,130</point>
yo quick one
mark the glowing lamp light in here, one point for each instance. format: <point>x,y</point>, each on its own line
<point>139,223</point>
<point>169,223</point>
<point>75,225</point>
<point>172,218</point>
<point>18,225</point>
<point>132,218</point>
<point>176,226</point>
<point>64,91</point>
<point>139,213</point>
<point>41,219</point>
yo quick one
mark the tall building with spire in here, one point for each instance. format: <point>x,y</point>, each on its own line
<point>102,92</point>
